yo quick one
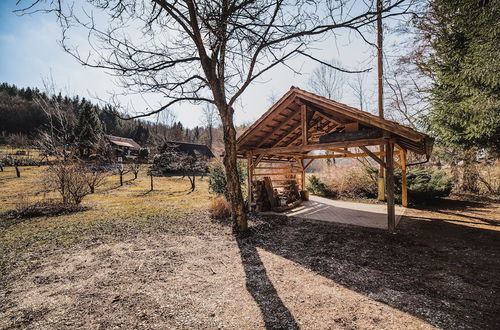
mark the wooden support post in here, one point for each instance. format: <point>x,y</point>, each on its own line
<point>380,90</point>
<point>381,190</point>
<point>303,175</point>
<point>389,181</point>
<point>249,180</point>
<point>404,187</point>
<point>303,119</point>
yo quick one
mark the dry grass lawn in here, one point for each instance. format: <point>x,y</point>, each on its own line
<point>139,259</point>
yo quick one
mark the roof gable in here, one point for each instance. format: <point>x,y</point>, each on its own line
<point>280,126</point>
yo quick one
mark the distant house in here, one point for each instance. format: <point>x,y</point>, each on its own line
<point>123,147</point>
<point>190,149</point>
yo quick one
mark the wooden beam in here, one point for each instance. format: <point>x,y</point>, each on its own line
<point>373,156</point>
<point>303,176</point>
<point>303,119</point>
<point>276,129</point>
<point>257,161</point>
<point>389,182</point>
<point>308,164</point>
<point>318,146</point>
<point>326,115</point>
<point>283,180</point>
<point>348,155</point>
<point>284,102</point>
<point>249,179</point>
<point>276,168</point>
<point>381,183</point>
<point>283,138</point>
<point>298,134</point>
<point>275,174</point>
<point>404,187</point>
<point>351,136</point>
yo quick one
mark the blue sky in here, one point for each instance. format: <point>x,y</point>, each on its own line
<point>30,52</point>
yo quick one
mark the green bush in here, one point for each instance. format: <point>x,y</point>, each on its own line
<point>217,182</point>
<point>424,184</point>
<point>318,187</point>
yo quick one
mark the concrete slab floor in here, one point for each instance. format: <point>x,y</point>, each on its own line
<point>359,214</point>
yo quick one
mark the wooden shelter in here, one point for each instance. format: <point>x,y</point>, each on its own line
<point>190,149</point>
<point>283,141</point>
<point>123,147</point>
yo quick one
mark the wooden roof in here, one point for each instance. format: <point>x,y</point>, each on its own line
<point>191,149</point>
<point>123,142</point>
<point>279,130</point>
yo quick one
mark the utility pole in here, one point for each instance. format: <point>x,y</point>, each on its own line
<point>380,74</point>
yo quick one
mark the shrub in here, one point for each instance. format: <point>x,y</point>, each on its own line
<point>69,180</point>
<point>220,207</point>
<point>424,184</point>
<point>355,182</point>
<point>217,182</point>
<point>24,208</point>
<point>318,187</point>
<point>143,153</point>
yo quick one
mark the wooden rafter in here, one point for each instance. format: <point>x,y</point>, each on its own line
<point>297,132</point>
<point>277,129</point>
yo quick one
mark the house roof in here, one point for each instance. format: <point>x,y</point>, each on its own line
<point>123,142</point>
<point>280,127</point>
<point>191,149</point>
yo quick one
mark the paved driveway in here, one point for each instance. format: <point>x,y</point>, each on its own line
<point>360,214</point>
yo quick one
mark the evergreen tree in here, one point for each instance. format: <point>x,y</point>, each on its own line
<point>88,130</point>
<point>463,62</point>
<point>141,134</point>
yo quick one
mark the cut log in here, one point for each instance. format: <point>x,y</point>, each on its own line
<point>350,136</point>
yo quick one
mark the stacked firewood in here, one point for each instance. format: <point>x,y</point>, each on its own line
<point>268,198</point>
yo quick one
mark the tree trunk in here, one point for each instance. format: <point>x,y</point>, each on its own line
<point>236,198</point>
<point>151,182</point>
<point>121,179</point>
<point>1,168</point>
<point>135,175</point>
<point>193,182</point>
<point>18,173</point>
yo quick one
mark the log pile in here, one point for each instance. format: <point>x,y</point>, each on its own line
<point>268,198</point>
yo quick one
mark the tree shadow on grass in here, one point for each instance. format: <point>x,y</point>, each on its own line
<point>276,315</point>
<point>441,272</point>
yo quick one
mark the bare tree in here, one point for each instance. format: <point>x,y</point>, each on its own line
<point>358,86</point>
<point>121,170</point>
<point>94,178</point>
<point>202,50</point>
<point>135,168</point>
<point>209,120</point>
<point>328,81</point>
<point>56,138</point>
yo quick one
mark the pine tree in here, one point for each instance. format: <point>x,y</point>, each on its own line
<point>464,39</point>
<point>88,130</point>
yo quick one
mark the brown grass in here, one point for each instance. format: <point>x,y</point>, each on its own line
<point>220,207</point>
<point>140,259</point>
